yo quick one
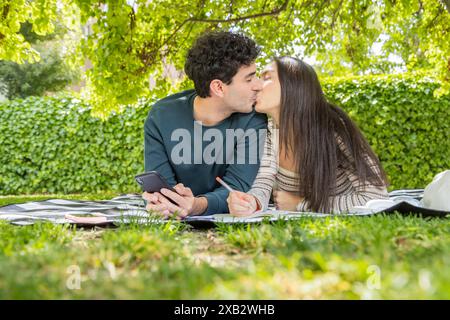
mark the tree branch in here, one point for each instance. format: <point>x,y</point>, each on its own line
<point>274,12</point>
<point>446,3</point>
<point>419,11</point>
<point>147,56</point>
<point>333,21</point>
<point>5,11</point>
<point>253,16</point>
<point>322,5</point>
<point>435,18</point>
<point>132,16</point>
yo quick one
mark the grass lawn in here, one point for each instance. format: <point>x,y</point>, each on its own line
<point>387,257</point>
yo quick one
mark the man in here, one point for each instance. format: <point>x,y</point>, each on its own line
<point>222,67</point>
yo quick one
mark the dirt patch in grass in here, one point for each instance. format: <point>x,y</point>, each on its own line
<point>208,247</point>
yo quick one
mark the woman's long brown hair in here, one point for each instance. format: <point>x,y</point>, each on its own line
<point>309,129</point>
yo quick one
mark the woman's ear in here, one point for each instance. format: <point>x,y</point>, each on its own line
<point>217,88</point>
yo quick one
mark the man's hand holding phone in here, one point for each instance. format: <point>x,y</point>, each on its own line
<point>183,197</point>
<point>169,201</point>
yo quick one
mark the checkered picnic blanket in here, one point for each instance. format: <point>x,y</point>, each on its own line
<point>124,208</point>
<point>128,208</point>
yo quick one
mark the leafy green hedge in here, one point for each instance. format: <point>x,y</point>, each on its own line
<point>55,145</point>
<point>406,125</point>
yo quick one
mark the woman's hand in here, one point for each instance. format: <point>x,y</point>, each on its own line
<point>285,200</point>
<point>241,204</point>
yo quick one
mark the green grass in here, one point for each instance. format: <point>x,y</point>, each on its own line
<point>329,258</point>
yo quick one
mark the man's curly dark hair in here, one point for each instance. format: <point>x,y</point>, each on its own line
<point>218,55</point>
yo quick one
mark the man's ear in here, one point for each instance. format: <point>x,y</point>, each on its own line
<point>217,88</point>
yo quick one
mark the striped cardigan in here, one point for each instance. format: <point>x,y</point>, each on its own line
<point>348,193</point>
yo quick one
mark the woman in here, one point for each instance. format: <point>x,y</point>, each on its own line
<point>315,158</point>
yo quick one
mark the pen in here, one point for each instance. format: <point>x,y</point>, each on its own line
<point>258,206</point>
<point>224,184</point>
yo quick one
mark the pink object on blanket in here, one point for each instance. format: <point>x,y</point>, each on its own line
<point>86,220</point>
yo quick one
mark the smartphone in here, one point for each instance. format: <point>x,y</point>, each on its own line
<point>152,181</point>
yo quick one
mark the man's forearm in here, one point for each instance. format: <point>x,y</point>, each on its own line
<point>200,206</point>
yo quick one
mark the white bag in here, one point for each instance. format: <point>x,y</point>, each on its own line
<point>437,193</point>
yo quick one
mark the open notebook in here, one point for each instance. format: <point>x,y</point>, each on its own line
<point>270,214</point>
